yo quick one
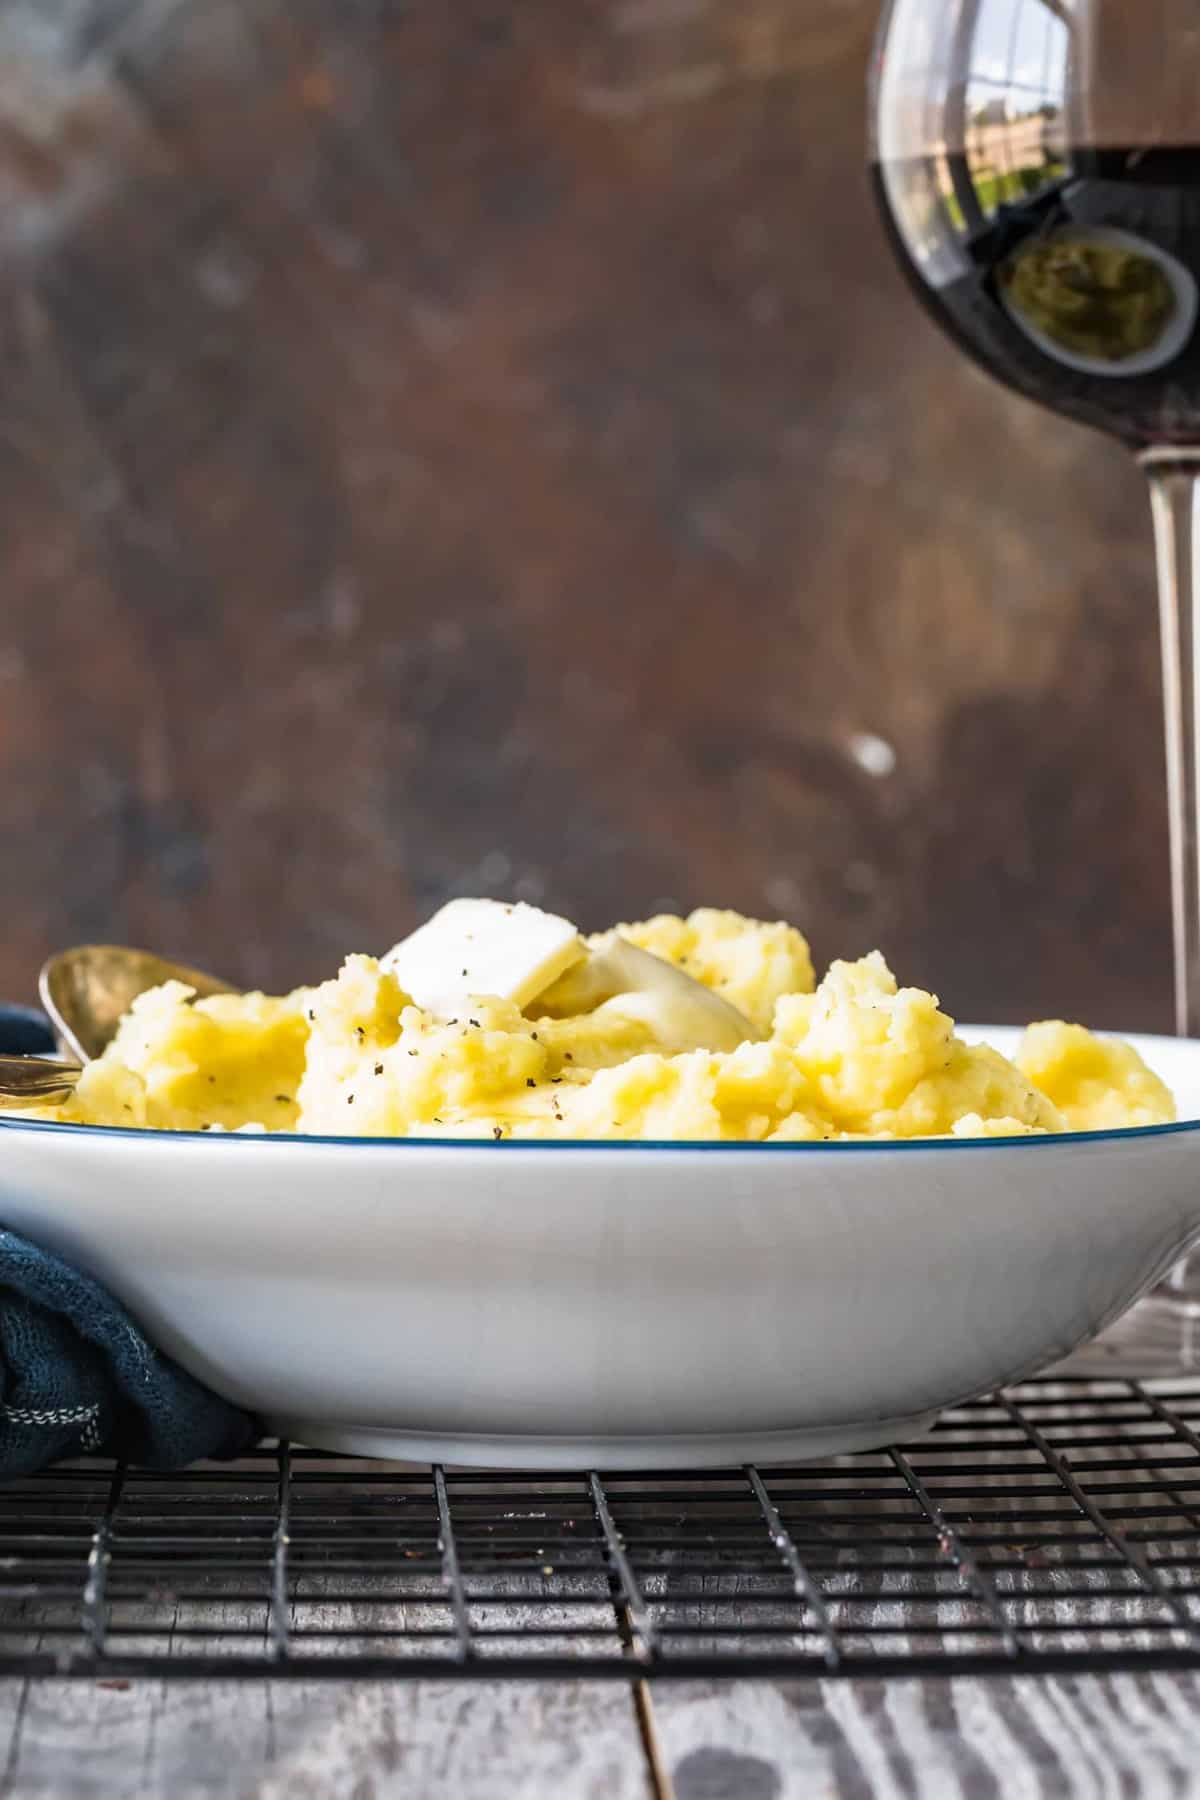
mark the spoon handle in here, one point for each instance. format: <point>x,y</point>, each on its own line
<point>36,1081</point>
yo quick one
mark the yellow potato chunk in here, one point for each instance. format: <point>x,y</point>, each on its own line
<point>1097,1083</point>
<point>183,1064</point>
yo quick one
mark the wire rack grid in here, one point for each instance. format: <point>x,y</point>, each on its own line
<point>1052,1527</point>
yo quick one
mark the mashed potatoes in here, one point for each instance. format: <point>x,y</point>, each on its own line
<point>854,1057</point>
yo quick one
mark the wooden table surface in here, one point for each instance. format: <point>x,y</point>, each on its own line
<point>1011,1739</point>
<point>1123,1733</point>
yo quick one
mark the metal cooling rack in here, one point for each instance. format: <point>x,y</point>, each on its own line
<point>1054,1527</point>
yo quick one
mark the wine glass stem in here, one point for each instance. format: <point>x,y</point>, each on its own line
<point>1175,498</point>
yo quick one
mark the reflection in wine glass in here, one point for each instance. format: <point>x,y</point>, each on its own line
<point>1102,301</point>
<point>970,124</point>
<point>1038,168</point>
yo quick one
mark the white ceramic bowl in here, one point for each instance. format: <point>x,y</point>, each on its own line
<point>1175,333</point>
<point>636,1306</point>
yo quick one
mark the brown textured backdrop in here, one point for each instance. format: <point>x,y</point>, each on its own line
<point>486,447</point>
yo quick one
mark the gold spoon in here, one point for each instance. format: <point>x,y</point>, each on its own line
<point>86,992</point>
<point>36,1081</point>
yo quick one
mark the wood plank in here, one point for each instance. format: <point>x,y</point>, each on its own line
<point>961,1739</point>
<point>475,1740</point>
<point>273,1741</point>
<point>1027,1735</point>
<point>964,1739</point>
<point>1001,1739</point>
<point>276,1738</point>
<point>298,1737</point>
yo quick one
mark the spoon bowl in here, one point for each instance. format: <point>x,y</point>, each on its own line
<point>86,991</point>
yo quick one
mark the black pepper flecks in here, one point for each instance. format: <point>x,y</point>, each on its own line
<point>529,1081</point>
<point>475,1023</point>
<point>284,1099</point>
<point>497,1131</point>
<point>349,1099</point>
<point>379,1066</point>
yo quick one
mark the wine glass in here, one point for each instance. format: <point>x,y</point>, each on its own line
<point>1037,163</point>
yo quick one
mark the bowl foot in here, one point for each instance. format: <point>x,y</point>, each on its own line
<point>516,1450</point>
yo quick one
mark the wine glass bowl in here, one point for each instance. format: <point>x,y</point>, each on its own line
<point>1037,165</point>
<point>1049,221</point>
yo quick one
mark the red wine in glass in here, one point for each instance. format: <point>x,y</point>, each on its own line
<point>1077,289</point>
<point>1037,165</point>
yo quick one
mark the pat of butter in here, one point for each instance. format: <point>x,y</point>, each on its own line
<point>484,947</point>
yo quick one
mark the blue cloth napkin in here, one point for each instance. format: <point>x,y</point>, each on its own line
<point>76,1374</point>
